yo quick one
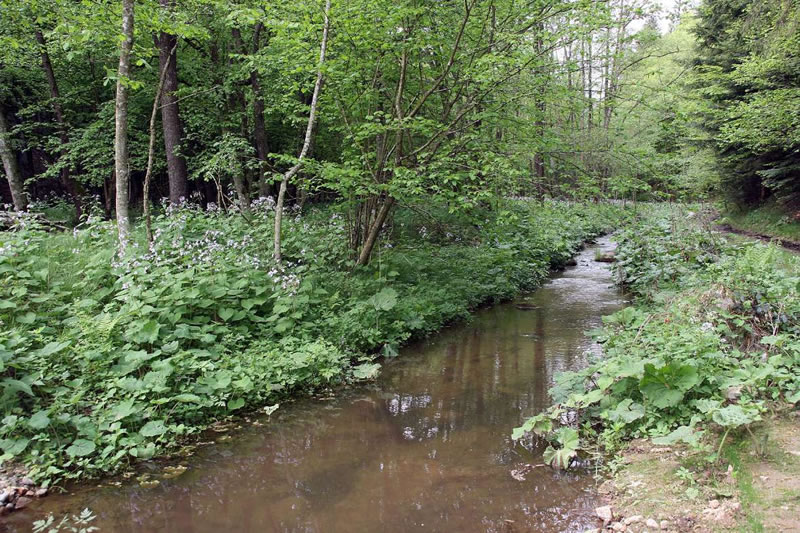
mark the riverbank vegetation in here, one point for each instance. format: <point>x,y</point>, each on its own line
<point>709,351</point>
<point>213,205</point>
<point>109,360</point>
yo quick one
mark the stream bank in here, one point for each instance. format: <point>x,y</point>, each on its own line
<point>426,447</point>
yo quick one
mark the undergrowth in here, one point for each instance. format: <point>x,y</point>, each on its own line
<point>106,360</point>
<point>711,344</point>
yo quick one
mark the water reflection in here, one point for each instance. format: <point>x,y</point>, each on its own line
<point>426,448</point>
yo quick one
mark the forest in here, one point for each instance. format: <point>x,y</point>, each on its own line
<point>210,209</point>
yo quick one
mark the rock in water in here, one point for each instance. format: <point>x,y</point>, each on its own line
<point>605,513</point>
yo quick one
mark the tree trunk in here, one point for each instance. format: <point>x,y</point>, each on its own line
<point>66,181</point>
<point>170,116</point>
<point>11,167</point>
<point>151,154</point>
<point>265,187</point>
<point>312,117</point>
<point>374,231</point>
<point>121,161</point>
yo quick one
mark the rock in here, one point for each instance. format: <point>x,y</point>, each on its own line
<point>733,393</point>
<point>5,496</point>
<point>41,493</point>
<point>571,263</point>
<point>664,524</point>
<point>713,504</point>
<point>22,502</point>
<point>27,482</point>
<point>607,257</point>
<point>652,524</point>
<point>9,507</point>
<point>618,526</point>
<point>605,513</point>
<point>632,520</point>
<point>595,530</point>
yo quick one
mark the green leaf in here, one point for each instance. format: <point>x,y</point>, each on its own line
<point>51,348</point>
<point>734,416</point>
<point>187,398</point>
<point>154,428</point>
<point>385,300</point>
<point>366,371</point>
<point>626,411</point>
<point>14,446</point>
<point>40,420</point>
<point>682,434</point>
<point>664,387</point>
<point>236,403</point>
<point>123,409</point>
<point>540,424</point>
<point>80,448</point>
<point>226,313</point>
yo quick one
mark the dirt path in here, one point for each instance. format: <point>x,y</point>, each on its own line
<point>788,244</point>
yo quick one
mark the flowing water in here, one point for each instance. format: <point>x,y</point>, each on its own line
<point>426,447</point>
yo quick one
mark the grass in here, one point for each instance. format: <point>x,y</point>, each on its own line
<point>769,220</point>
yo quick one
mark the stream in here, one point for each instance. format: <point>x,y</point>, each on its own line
<point>426,447</point>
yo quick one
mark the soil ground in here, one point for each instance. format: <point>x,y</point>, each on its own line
<point>755,486</point>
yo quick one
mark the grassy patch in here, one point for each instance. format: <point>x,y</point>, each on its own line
<point>769,220</point>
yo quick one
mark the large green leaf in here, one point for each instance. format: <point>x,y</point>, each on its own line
<point>80,448</point>
<point>664,387</point>
<point>40,420</point>
<point>385,300</point>
<point>154,428</point>
<point>626,411</point>
<point>734,416</point>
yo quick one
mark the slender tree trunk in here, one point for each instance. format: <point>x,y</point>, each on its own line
<point>374,231</point>
<point>121,161</point>
<point>170,116</point>
<point>238,100</point>
<point>151,153</point>
<point>312,117</point>
<point>11,166</point>
<point>265,187</point>
<point>66,181</point>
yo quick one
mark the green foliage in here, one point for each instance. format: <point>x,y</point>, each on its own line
<point>712,340</point>
<point>106,359</point>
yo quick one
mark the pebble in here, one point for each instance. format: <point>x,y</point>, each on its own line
<point>651,523</point>
<point>664,524</point>
<point>713,504</point>
<point>632,519</point>
<point>618,526</point>
<point>605,513</point>
<point>41,493</point>
<point>22,502</point>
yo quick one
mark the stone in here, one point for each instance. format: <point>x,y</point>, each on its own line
<point>713,504</point>
<point>635,519</point>
<point>595,530</point>
<point>618,526</point>
<point>27,482</point>
<point>733,393</point>
<point>664,524</point>
<point>5,496</point>
<point>22,502</point>
<point>652,524</point>
<point>605,513</point>
<point>41,493</point>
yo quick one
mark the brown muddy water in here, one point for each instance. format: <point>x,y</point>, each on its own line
<point>426,447</point>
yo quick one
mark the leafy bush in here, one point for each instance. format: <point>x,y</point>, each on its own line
<point>713,338</point>
<point>108,359</point>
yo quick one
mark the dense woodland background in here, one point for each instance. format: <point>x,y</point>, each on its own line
<point>454,100</point>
